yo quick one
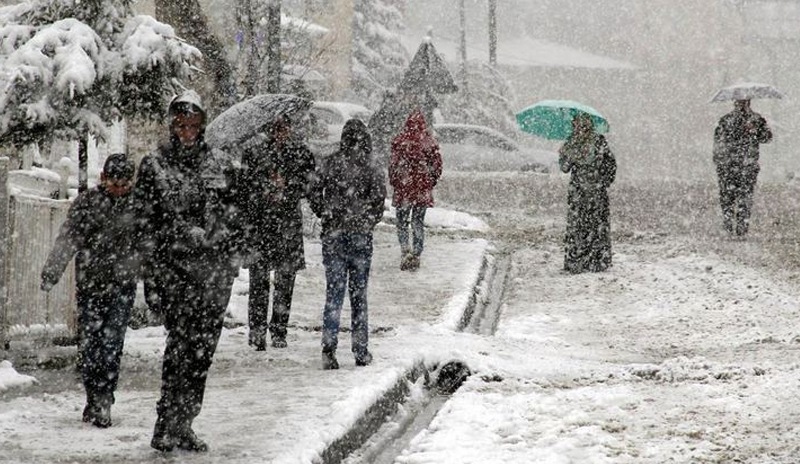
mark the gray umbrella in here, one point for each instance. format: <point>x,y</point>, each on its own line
<point>245,119</point>
<point>746,91</point>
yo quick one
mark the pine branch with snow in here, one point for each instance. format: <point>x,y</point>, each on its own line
<point>68,69</point>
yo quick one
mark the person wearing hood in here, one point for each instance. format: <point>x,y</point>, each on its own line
<point>102,230</point>
<point>736,151</point>
<point>592,167</point>
<point>348,197</point>
<point>186,195</point>
<point>277,172</point>
<point>414,170</point>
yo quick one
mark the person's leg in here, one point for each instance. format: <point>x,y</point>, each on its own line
<point>418,227</point>
<point>335,277</point>
<point>258,305</point>
<point>117,303</point>
<point>359,261</point>
<point>402,214</point>
<point>281,305</point>
<point>90,349</point>
<point>194,317</point>
<point>727,199</point>
<point>745,204</point>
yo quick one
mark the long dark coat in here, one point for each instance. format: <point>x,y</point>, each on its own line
<point>593,169</point>
<point>272,183</point>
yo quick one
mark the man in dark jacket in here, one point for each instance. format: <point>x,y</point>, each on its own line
<point>277,172</point>
<point>101,229</point>
<point>191,266</point>
<point>736,150</point>
<point>349,199</point>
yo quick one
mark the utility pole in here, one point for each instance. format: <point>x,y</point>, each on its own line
<point>462,12</point>
<point>274,65</point>
<point>493,33</point>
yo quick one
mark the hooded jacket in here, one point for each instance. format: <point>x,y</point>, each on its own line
<point>415,165</point>
<point>350,192</point>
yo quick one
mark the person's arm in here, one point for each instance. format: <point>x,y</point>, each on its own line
<point>377,197</point>
<point>435,163</point>
<point>564,161</point>
<point>71,238</point>
<point>763,132</point>
<point>608,166</point>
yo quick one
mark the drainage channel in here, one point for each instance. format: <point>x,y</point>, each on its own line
<point>408,408</point>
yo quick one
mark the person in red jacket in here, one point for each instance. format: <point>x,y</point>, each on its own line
<point>414,170</point>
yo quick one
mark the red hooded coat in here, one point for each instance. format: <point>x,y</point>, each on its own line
<point>416,164</point>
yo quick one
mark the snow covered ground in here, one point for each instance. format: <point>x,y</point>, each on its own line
<point>685,351</point>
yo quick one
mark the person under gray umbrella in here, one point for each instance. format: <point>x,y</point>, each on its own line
<point>736,155</point>
<point>277,172</point>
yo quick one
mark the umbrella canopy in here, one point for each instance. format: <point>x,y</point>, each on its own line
<point>552,119</point>
<point>746,91</point>
<point>245,119</point>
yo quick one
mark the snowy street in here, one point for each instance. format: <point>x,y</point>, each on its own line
<point>685,351</point>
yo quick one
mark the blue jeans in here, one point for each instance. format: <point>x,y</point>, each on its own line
<point>347,257</point>
<point>417,223</point>
<point>104,312</point>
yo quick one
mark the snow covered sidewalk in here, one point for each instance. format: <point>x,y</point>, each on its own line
<point>274,406</point>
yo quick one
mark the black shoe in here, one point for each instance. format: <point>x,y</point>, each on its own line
<point>258,340</point>
<point>89,412</point>
<point>413,262</point>
<point>364,359</point>
<point>405,262</point>
<point>279,342</point>
<point>163,442</point>
<point>188,441</point>
<point>103,417</point>
<point>329,361</point>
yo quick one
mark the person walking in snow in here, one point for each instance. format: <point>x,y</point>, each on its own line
<point>414,170</point>
<point>101,229</point>
<point>349,198</point>
<point>185,190</point>
<point>736,151</point>
<point>592,167</point>
<point>277,173</point>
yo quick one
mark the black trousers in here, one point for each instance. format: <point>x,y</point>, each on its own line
<point>736,199</point>
<point>258,301</point>
<point>193,314</point>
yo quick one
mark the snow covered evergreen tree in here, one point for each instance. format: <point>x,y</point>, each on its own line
<point>378,59</point>
<point>489,101</point>
<point>68,68</point>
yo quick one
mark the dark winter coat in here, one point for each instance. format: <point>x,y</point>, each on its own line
<point>736,150</point>
<point>189,212</point>
<point>593,169</point>
<point>416,164</point>
<point>272,183</point>
<point>350,190</point>
<point>104,230</point>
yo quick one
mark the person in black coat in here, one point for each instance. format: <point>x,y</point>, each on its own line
<point>185,189</point>
<point>593,168</point>
<point>277,172</point>
<point>736,151</point>
<point>101,229</point>
<point>349,199</point>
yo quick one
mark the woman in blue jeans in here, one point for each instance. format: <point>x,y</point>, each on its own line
<point>348,198</point>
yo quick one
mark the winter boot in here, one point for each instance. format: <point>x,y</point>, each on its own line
<point>329,361</point>
<point>163,439</point>
<point>102,417</point>
<point>187,440</point>
<point>406,262</point>
<point>279,342</point>
<point>258,339</point>
<point>363,359</point>
<point>413,262</point>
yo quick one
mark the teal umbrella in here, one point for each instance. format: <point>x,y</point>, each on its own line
<point>552,119</point>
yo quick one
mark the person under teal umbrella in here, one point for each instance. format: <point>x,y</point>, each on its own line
<point>586,156</point>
